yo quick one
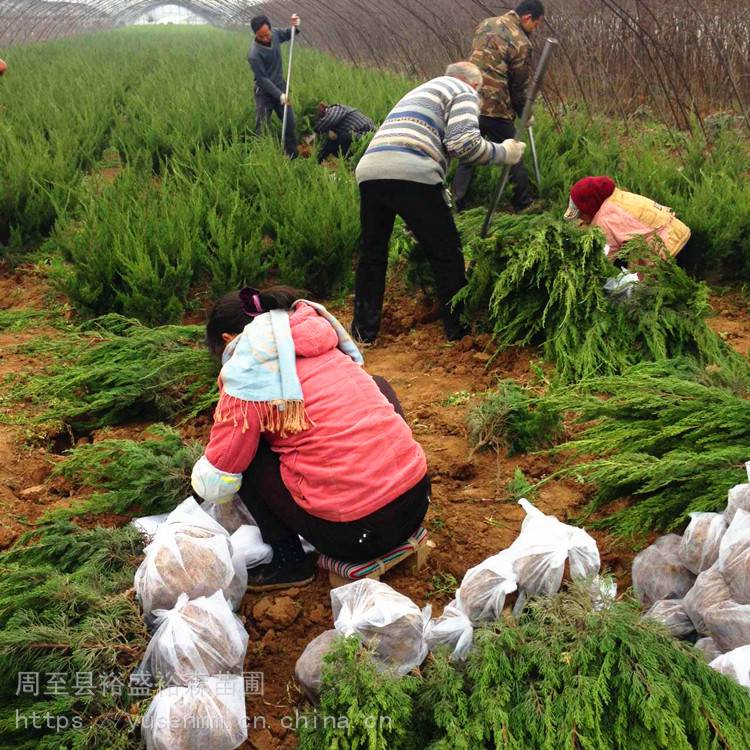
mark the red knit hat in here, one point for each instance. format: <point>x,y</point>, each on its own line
<point>589,193</point>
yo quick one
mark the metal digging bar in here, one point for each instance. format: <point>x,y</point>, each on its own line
<point>536,85</point>
<point>534,157</point>
<point>288,82</point>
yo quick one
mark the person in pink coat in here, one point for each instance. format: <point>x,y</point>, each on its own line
<point>314,445</point>
<point>623,216</point>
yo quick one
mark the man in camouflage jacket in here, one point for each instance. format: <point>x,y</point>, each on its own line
<point>502,51</point>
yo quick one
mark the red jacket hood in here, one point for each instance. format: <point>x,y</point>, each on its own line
<point>313,335</point>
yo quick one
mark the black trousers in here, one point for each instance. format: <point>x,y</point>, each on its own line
<point>338,147</point>
<point>495,130</point>
<point>279,517</point>
<point>428,216</point>
<point>265,106</point>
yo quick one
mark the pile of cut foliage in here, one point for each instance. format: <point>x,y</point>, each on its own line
<point>670,436</point>
<point>565,676</point>
<point>661,434</point>
<point>113,369</point>
<point>539,280</point>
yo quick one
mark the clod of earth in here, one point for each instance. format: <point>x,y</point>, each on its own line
<point>280,612</point>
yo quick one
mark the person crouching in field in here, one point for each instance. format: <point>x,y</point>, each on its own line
<point>623,216</point>
<point>313,444</point>
<point>270,87</point>
<point>402,173</point>
<point>341,125</point>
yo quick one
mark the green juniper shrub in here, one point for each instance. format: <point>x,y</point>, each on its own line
<point>228,216</point>
<point>670,436</point>
<point>408,261</point>
<point>568,676</point>
<point>519,486</point>
<point>513,419</point>
<point>145,476</point>
<point>565,676</point>
<point>360,707</point>
<point>65,609</point>
<point>132,248</point>
<point>113,369</point>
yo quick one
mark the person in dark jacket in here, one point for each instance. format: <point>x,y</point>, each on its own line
<point>341,124</point>
<point>270,87</point>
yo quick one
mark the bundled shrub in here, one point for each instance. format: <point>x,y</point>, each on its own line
<point>564,676</point>
<point>113,369</point>
<point>660,434</point>
<point>146,476</point>
<point>541,281</point>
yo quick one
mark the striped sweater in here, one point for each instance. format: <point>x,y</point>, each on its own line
<point>435,122</point>
<point>347,119</point>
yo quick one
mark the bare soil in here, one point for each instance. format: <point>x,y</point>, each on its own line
<point>731,321</point>
<point>24,465</point>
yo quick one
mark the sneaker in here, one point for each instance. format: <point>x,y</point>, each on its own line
<point>270,577</point>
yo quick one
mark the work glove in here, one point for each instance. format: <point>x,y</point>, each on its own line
<point>286,101</point>
<point>332,135</point>
<point>212,484</point>
<point>513,150</point>
<point>531,122</point>
<point>295,21</point>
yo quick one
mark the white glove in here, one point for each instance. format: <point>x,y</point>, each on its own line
<point>295,21</point>
<point>531,122</point>
<point>513,151</point>
<point>213,484</point>
<point>285,100</point>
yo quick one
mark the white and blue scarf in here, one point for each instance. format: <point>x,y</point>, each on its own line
<point>259,371</point>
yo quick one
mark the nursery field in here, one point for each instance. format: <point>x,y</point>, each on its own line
<point>133,192</point>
